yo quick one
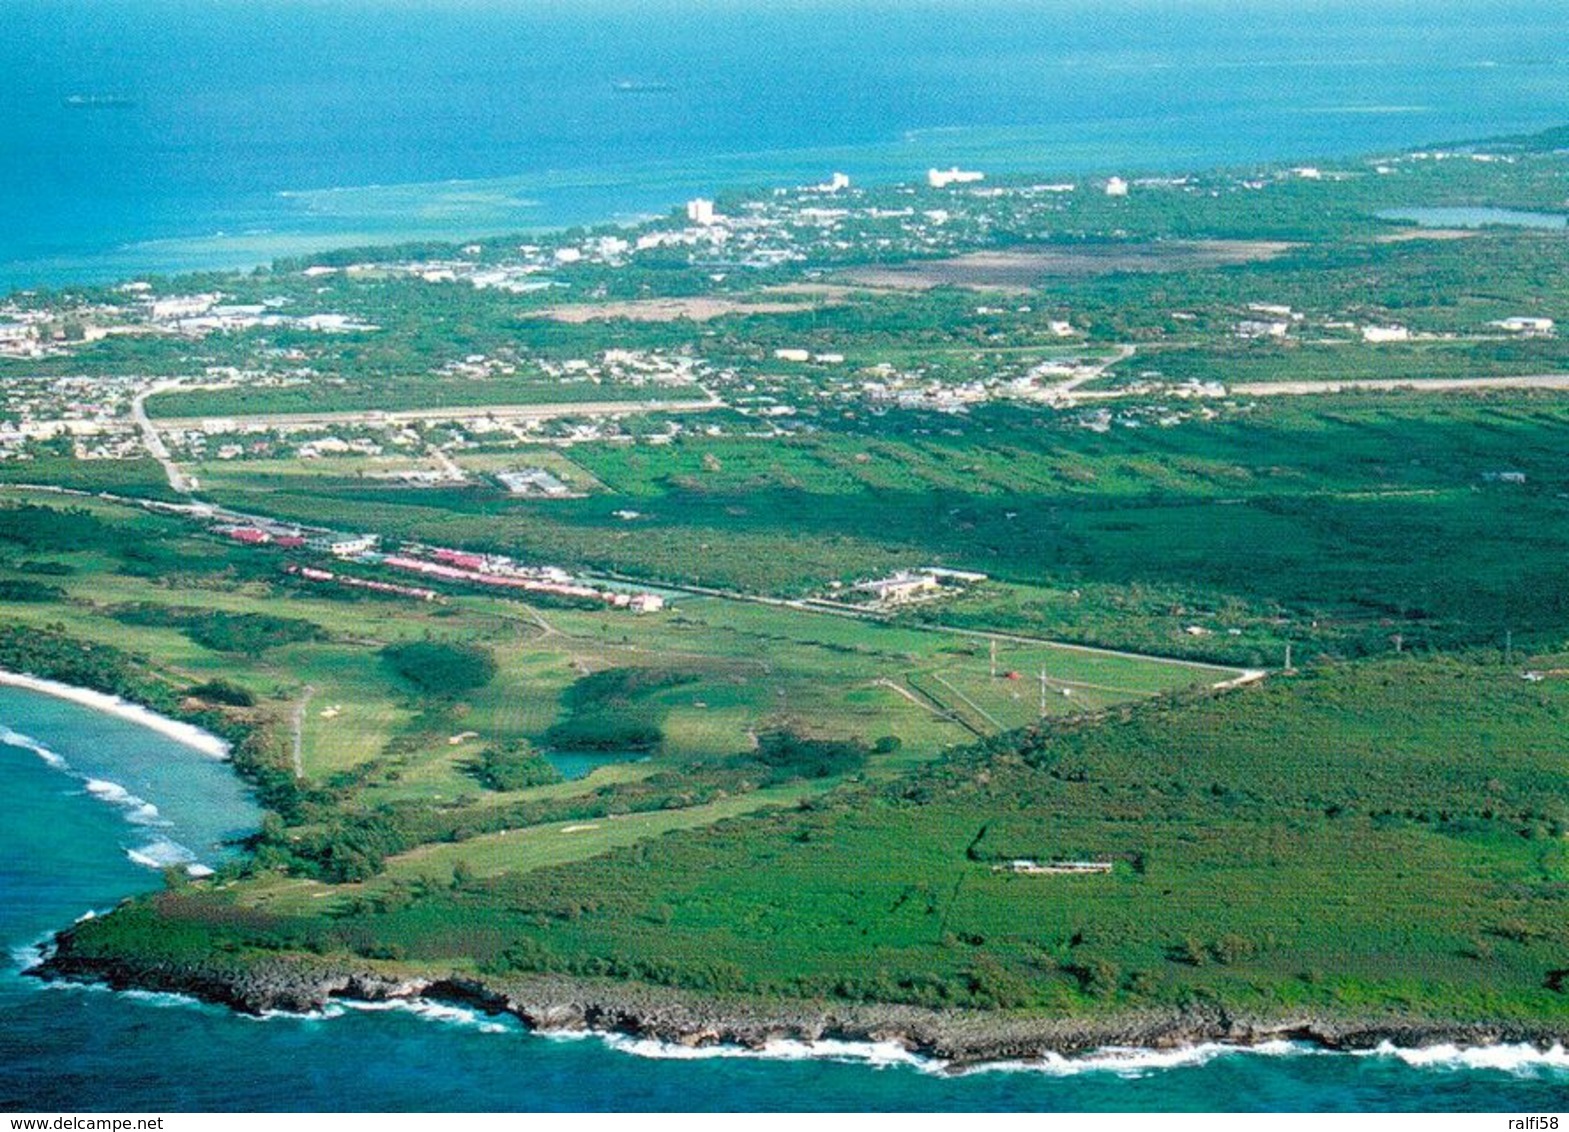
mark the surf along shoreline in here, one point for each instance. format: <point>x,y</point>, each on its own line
<point>548,1004</point>
<point>950,1040</point>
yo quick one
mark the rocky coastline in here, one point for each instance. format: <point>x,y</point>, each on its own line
<point>955,1038</point>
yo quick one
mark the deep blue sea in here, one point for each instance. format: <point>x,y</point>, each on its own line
<point>267,127</point>
<point>253,128</point>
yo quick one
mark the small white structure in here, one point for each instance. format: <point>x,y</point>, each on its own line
<point>344,545</point>
<point>942,178</point>
<point>1116,187</point>
<point>903,586</point>
<point>1522,325</point>
<point>533,481</point>
<point>834,183</point>
<point>183,306</point>
<point>1030,867</point>
<point>1386,334</point>
<point>1258,328</point>
<point>646,603</point>
<point>793,355</point>
<point>700,211</point>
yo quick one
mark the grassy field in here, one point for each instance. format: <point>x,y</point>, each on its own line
<point>1335,526</point>
<point>708,675</point>
<point>1371,837</point>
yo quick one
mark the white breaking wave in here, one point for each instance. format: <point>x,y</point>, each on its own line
<point>331,1011</point>
<point>1120,1061</point>
<point>28,743</point>
<point>164,999</point>
<point>878,1054</point>
<point>186,733</point>
<point>138,810</point>
<point>1134,1061</point>
<point>1520,1059</point>
<point>28,955</point>
<point>160,854</point>
<point>443,1012</point>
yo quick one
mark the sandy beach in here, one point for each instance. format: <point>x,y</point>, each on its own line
<point>186,733</point>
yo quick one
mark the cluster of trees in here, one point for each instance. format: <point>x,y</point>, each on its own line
<point>788,756</point>
<point>441,669</point>
<point>247,633</point>
<point>514,765</point>
<point>613,710</point>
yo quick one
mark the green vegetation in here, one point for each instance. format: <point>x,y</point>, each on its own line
<point>216,629</point>
<point>513,766</point>
<point>1361,837</point>
<point>441,669</point>
<point>790,756</point>
<point>794,791</point>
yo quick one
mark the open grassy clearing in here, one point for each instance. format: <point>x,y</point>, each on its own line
<point>523,850</point>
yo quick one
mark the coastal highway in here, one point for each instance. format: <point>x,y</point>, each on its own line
<point>546,411</point>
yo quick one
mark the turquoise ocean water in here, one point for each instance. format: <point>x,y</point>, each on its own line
<point>242,130</point>
<point>254,129</point>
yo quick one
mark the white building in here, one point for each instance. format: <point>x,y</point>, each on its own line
<point>700,211</point>
<point>1522,325</point>
<point>834,183</point>
<point>183,306</point>
<point>344,545</point>
<point>1386,334</point>
<point>942,178</point>
<point>1116,187</point>
<point>902,586</point>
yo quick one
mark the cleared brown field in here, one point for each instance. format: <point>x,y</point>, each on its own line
<point>663,310</point>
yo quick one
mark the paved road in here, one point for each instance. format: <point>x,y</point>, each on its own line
<point>153,442</point>
<point>466,412</point>
<point>1413,385</point>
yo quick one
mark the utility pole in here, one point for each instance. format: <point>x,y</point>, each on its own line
<point>1509,646</point>
<point>1288,657</point>
<point>1043,693</point>
<point>994,658</point>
